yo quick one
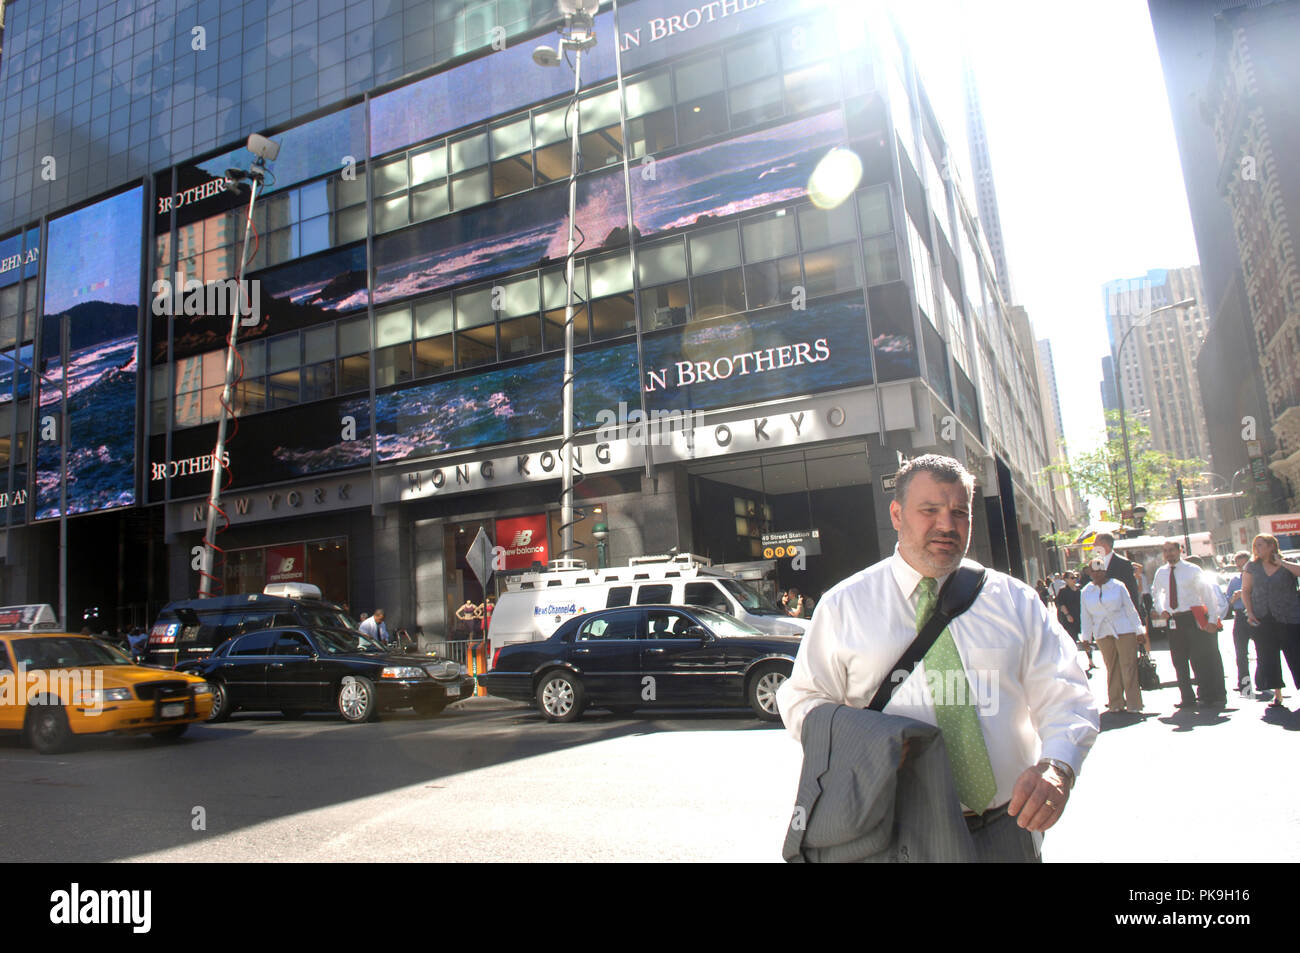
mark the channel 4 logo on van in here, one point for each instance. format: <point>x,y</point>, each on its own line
<point>569,607</point>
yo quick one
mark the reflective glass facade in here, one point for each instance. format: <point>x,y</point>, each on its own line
<point>410,241</point>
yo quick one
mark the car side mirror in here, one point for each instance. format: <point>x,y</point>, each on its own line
<point>699,632</point>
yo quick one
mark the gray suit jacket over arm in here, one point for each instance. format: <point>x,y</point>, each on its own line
<point>856,804</point>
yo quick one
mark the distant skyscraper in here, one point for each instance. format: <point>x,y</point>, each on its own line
<point>1048,386</point>
<point>1051,399</point>
<point>986,196</point>
<point>1157,370</point>
<point>1109,397</point>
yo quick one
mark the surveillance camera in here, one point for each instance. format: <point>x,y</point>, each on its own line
<point>263,147</point>
<point>234,180</point>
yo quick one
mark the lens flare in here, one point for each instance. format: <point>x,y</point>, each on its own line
<point>835,178</point>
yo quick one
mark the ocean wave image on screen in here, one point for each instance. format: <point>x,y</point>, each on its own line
<point>92,286</point>
<point>531,230</point>
<point>761,169</point>
<point>527,231</point>
<point>502,405</point>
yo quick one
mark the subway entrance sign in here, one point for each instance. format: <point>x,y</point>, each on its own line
<point>792,543</point>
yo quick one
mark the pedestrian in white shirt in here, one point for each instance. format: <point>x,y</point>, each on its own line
<point>375,628</point>
<point>1111,620</point>
<point>1176,590</point>
<point>1036,717</point>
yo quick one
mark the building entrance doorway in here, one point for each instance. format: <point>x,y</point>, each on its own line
<point>735,502</point>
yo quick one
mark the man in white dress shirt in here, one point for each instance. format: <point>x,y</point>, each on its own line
<point>375,628</point>
<point>1036,714</point>
<point>1177,587</point>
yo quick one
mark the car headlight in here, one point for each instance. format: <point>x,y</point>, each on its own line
<point>201,688</point>
<point>98,696</point>
<point>402,671</point>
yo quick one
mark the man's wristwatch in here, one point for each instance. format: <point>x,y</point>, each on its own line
<point>1062,768</point>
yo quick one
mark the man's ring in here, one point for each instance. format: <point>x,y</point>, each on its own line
<point>1048,802</point>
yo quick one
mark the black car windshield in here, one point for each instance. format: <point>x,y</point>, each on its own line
<point>346,642</point>
<point>326,618</point>
<point>750,600</point>
<point>723,624</point>
<point>65,653</point>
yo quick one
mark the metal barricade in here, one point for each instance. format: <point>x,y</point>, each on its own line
<point>472,653</point>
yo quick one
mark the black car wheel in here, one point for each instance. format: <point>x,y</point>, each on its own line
<point>430,706</point>
<point>763,685</point>
<point>47,729</point>
<point>220,702</point>
<point>357,701</point>
<point>170,733</point>
<point>560,696</point>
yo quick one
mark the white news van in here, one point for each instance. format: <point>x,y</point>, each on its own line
<point>535,604</point>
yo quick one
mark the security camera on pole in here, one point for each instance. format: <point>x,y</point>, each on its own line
<point>576,35</point>
<point>264,150</point>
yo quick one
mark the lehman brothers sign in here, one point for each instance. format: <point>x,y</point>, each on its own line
<point>658,28</point>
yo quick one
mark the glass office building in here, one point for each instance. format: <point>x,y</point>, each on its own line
<point>399,373</point>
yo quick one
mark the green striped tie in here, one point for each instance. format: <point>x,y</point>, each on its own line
<point>960,722</point>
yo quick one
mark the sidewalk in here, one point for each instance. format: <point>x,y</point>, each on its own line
<point>1184,784</point>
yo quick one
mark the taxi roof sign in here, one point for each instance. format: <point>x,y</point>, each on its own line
<point>33,618</point>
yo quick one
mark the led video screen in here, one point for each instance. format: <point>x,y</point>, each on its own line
<point>690,189</point>
<point>92,301</point>
<point>274,447</point>
<point>769,354</point>
<point>501,405</point>
<point>506,80</point>
<point>527,231</point>
<point>299,294</point>
<point>20,257</point>
<point>491,85</point>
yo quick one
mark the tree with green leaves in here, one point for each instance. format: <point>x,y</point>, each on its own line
<point>1100,473</point>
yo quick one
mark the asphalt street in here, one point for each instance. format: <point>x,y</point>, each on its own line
<point>489,781</point>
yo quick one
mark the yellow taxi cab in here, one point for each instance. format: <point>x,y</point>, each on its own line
<point>55,686</point>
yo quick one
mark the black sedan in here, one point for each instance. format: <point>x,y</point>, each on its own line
<point>646,656</point>
<point>296,670</point>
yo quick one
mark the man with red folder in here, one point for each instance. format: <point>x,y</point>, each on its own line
<point>1179,593</point>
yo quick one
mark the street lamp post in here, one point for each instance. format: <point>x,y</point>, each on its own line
<point>1119,386</point>
<point>576,35</point>
<point>264,150</point>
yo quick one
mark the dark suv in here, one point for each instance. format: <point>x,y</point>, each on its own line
<point>191,628</point>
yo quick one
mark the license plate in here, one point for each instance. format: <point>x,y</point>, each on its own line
<point>453,691</point>
<point>173,709</point>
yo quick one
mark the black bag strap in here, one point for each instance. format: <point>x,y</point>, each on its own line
<point>957,595</point>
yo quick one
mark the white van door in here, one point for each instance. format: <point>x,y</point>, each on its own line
<point>709,595</point>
